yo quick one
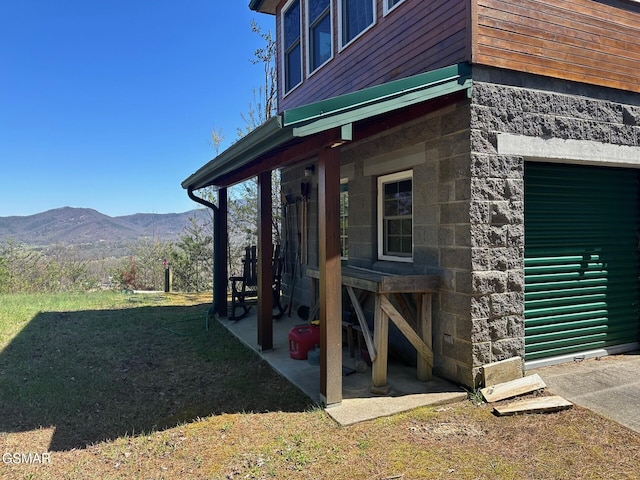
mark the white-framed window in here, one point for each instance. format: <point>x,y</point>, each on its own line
<point>344,218</point>
<point>292,45</point>
<point>390,5</point>
<point>395,216</point>
<point>319,33</point>
<point>355,17</point>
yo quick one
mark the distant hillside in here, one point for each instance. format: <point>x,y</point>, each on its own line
<point>87,226</point>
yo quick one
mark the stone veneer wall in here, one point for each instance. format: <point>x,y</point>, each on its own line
<point>469,204</point>
<point>516,103</point>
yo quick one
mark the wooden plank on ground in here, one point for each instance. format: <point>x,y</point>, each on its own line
<point>502,371</point>
<point>534,405</point>
<point>513,388</point>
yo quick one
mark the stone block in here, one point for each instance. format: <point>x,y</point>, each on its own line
<point>455,257</point>
<point>506,304</point>
<point>480,259</point>
<point>483,142</point>
<point>480,307</point>
<point>488,236</point>
<point>462,235</point>
<point>454,213</point>
<point>515,280</point>
<point>462,189</point>
<point>489,282</point>
<point>481,353</point>
<point>508,348</point>
<point>456,303</point>
<point>506,212</point>
<point>506,166</point>
<point>479,212</point>
<point>487,189</point>
<point>480,166</point>
<point>610,112</point>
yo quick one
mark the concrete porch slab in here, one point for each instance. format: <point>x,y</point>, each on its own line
<point>358,403</point>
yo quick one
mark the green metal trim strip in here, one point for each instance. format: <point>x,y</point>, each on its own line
<point>385,97</point>
<point>334,112</point>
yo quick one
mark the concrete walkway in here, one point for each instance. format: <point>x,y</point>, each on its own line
<point>358,403</point>
<point>609,386</point>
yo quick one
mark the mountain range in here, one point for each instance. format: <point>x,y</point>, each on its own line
<point>70,226</point>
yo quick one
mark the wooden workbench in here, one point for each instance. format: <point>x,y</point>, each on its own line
<point>385,286</point>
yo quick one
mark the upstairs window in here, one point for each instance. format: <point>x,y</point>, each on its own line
<point>395,217</point>
<point>390,5</point>
<point>292,45</point>
<point>320,37</point>
<point>356,16</point>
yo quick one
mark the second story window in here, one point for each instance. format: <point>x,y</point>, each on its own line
<point>292,45</point>
<point>390,4</point>
<point>320,38</point>
<point>355,17</point>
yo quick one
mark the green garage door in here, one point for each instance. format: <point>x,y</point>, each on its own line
<point>581,258</point>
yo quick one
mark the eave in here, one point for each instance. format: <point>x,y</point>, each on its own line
<point>335,114</point>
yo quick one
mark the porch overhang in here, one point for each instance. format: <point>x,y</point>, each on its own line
<point>264,6</point>
<point>339,113</point>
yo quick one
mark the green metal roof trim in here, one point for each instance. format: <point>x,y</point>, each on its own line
<point>334,112</point>
<point>264,6</point>
<point>383,98</point>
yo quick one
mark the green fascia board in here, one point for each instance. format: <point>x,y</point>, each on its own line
<point>263,139</point>
<point>334,112</point>
<point>385,97</point>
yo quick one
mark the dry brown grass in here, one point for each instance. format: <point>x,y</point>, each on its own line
<point>460,441</point>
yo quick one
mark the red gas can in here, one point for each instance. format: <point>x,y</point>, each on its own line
<point>303,338</point>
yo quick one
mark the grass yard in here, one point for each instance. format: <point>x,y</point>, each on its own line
<point>118,386</point>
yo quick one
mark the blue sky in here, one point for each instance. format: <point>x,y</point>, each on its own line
<point>109,104</point>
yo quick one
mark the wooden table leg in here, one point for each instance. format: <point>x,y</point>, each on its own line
<point>425,332</point>
<point>381,342</point>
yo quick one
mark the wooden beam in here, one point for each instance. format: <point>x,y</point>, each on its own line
<point>330,301</point>
<point>381,342</point>
<point>366,333</point>
<point>513,388</point>
<point>265,269</point>
<point>406,329</point>
<point>534,405</point>
<point>296,151</point>
<point>221,275</point>
<point>425,368</point>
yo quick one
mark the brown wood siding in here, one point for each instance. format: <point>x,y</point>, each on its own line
<point>578,40</point>
<point>416,37</point>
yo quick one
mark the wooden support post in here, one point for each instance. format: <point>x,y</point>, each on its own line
<point>381,342</point>
<point>265,270</point>
<point>425,332</point>
<point>330,302</point>
<point>221,275</point>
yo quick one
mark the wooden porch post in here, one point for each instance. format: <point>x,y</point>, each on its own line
<point>220,276</point>
<point>265,270</point>
<point>330,276</point>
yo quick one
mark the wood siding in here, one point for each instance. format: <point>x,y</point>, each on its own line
<point>579,40</point>
<point>416,37</point>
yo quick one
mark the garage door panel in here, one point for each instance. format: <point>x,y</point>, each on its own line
<point>581,258</point>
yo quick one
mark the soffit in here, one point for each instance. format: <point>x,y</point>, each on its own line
<point>334,113</point>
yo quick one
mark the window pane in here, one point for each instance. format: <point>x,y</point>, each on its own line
<point>357,15</point>
<point>406,226</point>
<point>392,3</point>
<point>294,68</point>
<point>394,227</point>
<point>321,42</point>
<point>394,245</point>
<point>292,25</point>
<point>316,7</point>
<point>406,245</point>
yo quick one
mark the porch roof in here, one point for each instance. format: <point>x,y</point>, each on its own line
<point>291,126</point>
